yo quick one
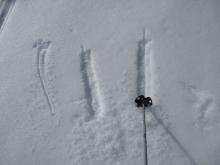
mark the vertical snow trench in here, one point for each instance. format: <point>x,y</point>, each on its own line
<point>147,83</point>
<point>91,84</point>
<point>6,7</point>
<point>42,48</point>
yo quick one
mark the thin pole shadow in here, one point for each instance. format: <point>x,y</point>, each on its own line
<point>181,147</point>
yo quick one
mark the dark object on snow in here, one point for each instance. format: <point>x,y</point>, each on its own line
<point>143,101</point>
<point>148,102</point>
<point>139,101</point>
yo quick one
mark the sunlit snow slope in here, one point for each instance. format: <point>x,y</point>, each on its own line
<point>71,69</point>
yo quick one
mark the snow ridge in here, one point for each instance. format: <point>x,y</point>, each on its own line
<point>5,9</point>
<point>42,48</point>
<point>148,66</point>
<point>91,84</point>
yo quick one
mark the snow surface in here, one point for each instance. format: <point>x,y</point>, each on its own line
<point>70,70</point>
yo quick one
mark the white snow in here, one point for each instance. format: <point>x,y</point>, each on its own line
<point>61,104</point>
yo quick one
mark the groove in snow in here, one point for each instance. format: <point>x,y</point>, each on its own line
<point>6,7</point>
<point>147,83</point>
<point>42,48</point>
<point>91,84</point>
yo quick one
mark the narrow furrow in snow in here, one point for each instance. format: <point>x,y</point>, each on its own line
<point>42,49</point>
<point>6,7</point>
<point>91,85</point>
<point>147,82</point>
<point>140,66</point>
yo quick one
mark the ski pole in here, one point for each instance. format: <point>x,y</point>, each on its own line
<point>145,137</point>
<point>144,102</point>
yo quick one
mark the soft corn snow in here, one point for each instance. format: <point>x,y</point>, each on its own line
<point>71,69</point>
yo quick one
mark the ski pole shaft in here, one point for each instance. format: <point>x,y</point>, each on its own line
<point>145,138</point>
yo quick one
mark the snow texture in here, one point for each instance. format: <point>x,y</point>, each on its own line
<point>60,104</point>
